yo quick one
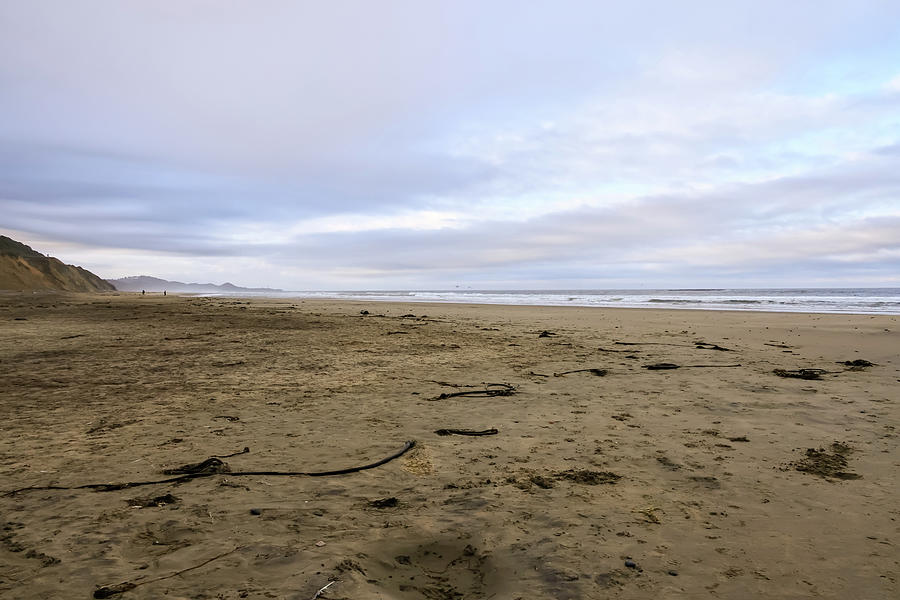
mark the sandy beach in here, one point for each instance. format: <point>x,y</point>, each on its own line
<point>604,479</point>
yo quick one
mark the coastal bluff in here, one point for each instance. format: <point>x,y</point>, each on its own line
<point>25,269</point>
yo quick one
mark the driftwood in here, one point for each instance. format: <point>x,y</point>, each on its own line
<point>466,432</point>
<point>697,345</point>
<point>491,390</point>
<point>213,466</point>
<point>448,384</point>
<point>597,372</point>
<point>662,366</point>
<point>708,346</point>
<point>666,366</point>
<point>244,451</point>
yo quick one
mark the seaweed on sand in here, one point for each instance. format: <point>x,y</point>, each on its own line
<point>825,464</point>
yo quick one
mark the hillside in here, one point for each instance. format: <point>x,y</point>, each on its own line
<point>22,268</point>
<point>154,284</point>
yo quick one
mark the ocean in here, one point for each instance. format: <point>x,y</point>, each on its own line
<point>808,300</point>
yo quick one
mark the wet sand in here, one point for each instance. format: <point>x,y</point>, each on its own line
<point>633,483</point>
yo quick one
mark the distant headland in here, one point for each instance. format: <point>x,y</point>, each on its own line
<point>146,283</point>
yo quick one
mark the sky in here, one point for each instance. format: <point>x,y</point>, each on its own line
<point>433,145</point>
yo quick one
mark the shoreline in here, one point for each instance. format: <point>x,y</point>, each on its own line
<point>332,300</point>
<point>877,301</point>
<point>693,471</point>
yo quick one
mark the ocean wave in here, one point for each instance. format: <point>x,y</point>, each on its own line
<point>843,301</point>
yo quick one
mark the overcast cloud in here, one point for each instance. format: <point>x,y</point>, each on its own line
<point>387,145</point>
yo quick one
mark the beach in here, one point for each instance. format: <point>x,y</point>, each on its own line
<point>604,478</point>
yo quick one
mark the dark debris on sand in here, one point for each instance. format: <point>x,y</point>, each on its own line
<point>801,373</point>
<point>857,365</point>
<point>384,503</point>
<point>589,477</point>
<point>154,501</point>
<point>821,462</point>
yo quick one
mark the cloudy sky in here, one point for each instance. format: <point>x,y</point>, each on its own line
<point>485,144</point>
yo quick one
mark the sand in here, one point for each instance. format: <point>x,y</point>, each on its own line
<point>639,483</point>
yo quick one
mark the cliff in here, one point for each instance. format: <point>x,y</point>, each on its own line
<point>22,268</point>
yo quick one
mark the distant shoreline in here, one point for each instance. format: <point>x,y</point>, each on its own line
<point>863,301</point>
<point>886,304</point>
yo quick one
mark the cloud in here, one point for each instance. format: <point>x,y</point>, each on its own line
<point>411,144</point>
<point>112,200</point>
<point>775,227</point>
